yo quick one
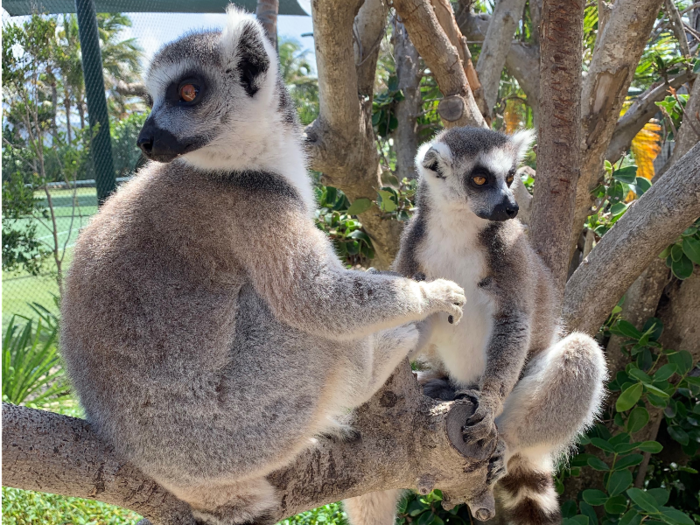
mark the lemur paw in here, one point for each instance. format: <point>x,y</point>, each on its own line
<point>497,464</point>
<point>445,296</point>
<point>480,429</point>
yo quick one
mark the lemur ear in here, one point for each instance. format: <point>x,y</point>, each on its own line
<point>522,140</point>
<point>244,45</point>
<point>435,159</point>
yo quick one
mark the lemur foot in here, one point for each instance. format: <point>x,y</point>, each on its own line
<point>480,429</point>
<point>497,464</point>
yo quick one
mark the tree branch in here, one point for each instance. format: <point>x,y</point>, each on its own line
<point>458,107</point>
<point>654,221</point>
<point>678,28</point>
<point>558,164</point>
<point>636,117</point>
<point>406,441</point>
<point>368,30</point>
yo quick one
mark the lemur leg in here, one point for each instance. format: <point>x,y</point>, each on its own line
<point>375,508</point>
<point>237,503</point>
<point>556,399</point>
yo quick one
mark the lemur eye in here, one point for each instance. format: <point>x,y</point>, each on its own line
<point>188,92</point>
<point>509,179</point>
<point>479,180</point>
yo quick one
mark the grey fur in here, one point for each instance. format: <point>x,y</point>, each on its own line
<point>536,391</point>
<point>207,326</point>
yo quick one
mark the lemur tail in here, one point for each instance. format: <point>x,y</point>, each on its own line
<point>527,496</point>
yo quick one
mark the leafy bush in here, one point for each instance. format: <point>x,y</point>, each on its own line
<point>31,369</point>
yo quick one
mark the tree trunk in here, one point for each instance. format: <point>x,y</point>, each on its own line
<point>409,73</point>
<point>266,13</point>
<point>67,105</point>
<point>558,163</point>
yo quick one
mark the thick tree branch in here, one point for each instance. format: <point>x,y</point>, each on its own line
<point>405,441</point>
<point>615,58</point>
<point>653,222</point>
<point>678,28</point>
<point>458,107</point>
<point>496,46</point>
<point>636,117</point>
<point>558,164</point>
<point>368,30</point>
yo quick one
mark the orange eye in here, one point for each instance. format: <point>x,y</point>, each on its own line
<point>188,92</point>
<point>479,180</point>
<point>509,180</point>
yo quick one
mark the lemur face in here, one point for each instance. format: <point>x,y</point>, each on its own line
<point>474,168</point>
<point>206,88</point>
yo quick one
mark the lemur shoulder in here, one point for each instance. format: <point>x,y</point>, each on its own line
<point>208,327</point>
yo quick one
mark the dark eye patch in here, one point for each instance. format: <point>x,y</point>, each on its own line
<point>477,174</point>
<point>173,91</point>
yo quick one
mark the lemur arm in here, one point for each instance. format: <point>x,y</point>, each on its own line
<point>292,265</point>
<point>505,357</point>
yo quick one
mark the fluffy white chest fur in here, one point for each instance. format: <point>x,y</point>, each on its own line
<point>451,251</point>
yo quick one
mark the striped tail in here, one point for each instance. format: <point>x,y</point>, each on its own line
<point>527,496</point>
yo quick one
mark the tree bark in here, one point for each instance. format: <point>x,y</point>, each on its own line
<point>266,13</point>
<point>458,107</point>
<point>496,46</point>
<point>654,221</point>
<point>368,30</point>
<point>615,57</point>
<point>678,28</point>
<point>409,73</point>
<point>558,163</point>
<point>680,315</point>
<point>406,441</point>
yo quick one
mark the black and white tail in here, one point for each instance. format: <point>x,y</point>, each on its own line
<point>527,496</point>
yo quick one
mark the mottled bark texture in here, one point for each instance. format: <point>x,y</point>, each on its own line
<point>657,218</point>
<point>458,106</point>
<point>405,440</point>
<point>266,12</point>
<point>340,142</point>
<point>496,46</point>
<point>610,73</point>
<point>559,160</point>
<point>409,72</point>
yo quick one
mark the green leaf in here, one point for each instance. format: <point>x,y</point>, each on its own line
<point>616,505</point>
<point>653,447</point>
<point>627,329</point>
<point>576,520</point>
<point>628,461</point>
<point>359,206</point>
<point>629,398</point>
<point>683,361</point>
<point>643,500</point>
<point>388,203</point>
<point>675,517</point>
<point>626,448</point>
<point>641,376</point>
<point>589,511</point>
<point>676,252</point>
<point>618,482</point>
<point>642,185</point>
<point>632,517</point>
<point>618,208</point>
<point>638,418</point>
<point>594,497</point>
<point>691,248</point>
<point>660,495</point>
<point>656,391</point>
<point>602,444</point>
<point>569,509</point>
<point>665,372</point>
<point>627,174</point>
<point>683,268</point>
<point>415,508</point>
<point>696,66</point>
<point>679,434</point>
<point>608,166</point>
<point>598,464</point>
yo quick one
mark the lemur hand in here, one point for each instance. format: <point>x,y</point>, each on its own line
<point>444,296</point>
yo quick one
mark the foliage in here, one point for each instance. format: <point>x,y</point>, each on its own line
<point>427,510</point>
<point>384,108</point>
<point>327,515</point>
<point>298,75</point>
<point>127,157</point>
<point>656,379</point>
<point>682,254</point>
<point>31,370</point>
<point>333,217</point>
<point>673,107</point>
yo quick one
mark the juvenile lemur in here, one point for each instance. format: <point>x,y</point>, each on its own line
<point>208,327</point>
<point>538,389</point>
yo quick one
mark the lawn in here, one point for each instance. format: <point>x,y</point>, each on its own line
<point>20,289</point>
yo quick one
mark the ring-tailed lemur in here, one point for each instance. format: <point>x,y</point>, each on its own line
<point>539,390</point>
<point>208,327</point>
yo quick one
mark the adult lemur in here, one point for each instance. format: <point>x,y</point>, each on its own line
<point>538,389</point>
<point>208,327</point>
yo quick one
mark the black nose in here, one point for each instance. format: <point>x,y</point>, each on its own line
<point>145,142</point>
<point>512,210</point>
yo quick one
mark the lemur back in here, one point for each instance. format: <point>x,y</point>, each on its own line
<point>208,327</point>
<point>535,391</point>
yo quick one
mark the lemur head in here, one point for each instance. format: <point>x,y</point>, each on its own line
<point>211,90</point>
<point>473,168</point>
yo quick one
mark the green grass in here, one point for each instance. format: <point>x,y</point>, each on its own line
<point>19,288</point>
